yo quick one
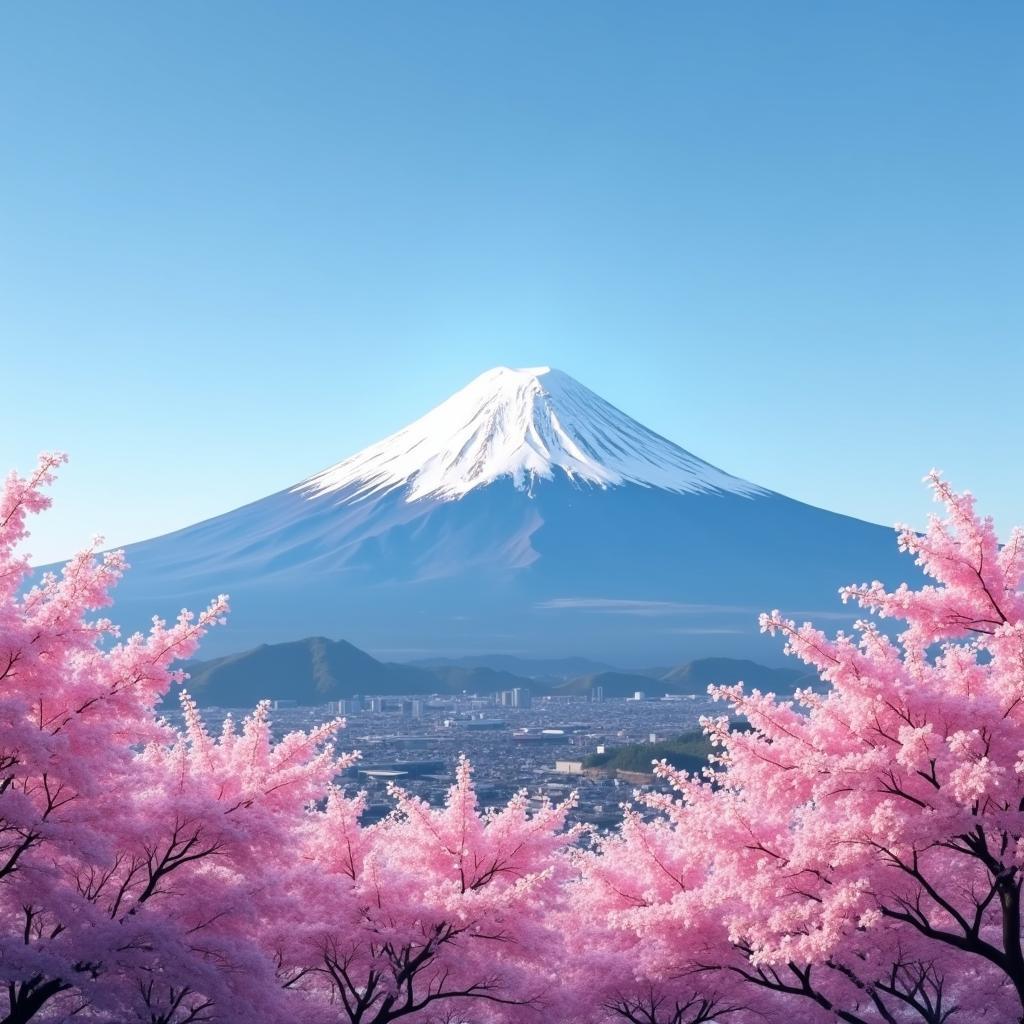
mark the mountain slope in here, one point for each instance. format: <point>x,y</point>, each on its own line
<point>697,676</point>
<point>480,679</point>
<point>693,677</point>
<point>614,685</point>
<point>310,671</point>
<point>545,669</point>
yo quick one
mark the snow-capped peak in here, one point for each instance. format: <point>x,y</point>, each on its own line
<point>527,425</point>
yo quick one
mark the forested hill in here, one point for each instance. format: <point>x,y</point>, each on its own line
<point>688,752</point>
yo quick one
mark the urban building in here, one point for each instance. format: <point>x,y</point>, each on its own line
<point>346,706</point>
<point>517,698</point>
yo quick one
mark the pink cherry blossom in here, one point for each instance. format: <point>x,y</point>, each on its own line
<point>435,913</point>
<point>135,863</point>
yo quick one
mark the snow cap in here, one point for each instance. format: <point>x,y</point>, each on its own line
<point>528,425</point>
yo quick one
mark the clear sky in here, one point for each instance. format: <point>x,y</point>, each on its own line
<point>239,241</point>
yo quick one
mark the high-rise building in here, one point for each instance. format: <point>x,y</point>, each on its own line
<point>517,698</point>
<point>596,694</point>
<point>345,706</point>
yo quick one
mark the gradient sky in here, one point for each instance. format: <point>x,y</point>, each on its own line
<point>239,241</point>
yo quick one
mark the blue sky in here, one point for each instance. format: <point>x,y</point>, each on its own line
<point>239,241</point>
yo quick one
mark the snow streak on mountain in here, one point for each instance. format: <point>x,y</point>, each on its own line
<point>524,515</point>
<point>525,425</point>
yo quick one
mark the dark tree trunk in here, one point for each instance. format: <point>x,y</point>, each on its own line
<point>28,999</point>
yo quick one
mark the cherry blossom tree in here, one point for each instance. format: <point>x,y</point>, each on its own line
<point>863,847</point>
<point>133,860</point>
<point>917,816</point>
<point>223,815</point>
<point>635,955</point>
<point>725,888</point>
<point>435,913</point>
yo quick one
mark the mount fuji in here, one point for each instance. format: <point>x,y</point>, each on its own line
<point>525,515</point>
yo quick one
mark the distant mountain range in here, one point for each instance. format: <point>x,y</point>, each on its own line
<point>531,668</point>
<point>316,670</point>
<point>310,671</point>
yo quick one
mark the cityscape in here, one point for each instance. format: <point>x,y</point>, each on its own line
<point>514,740</point>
